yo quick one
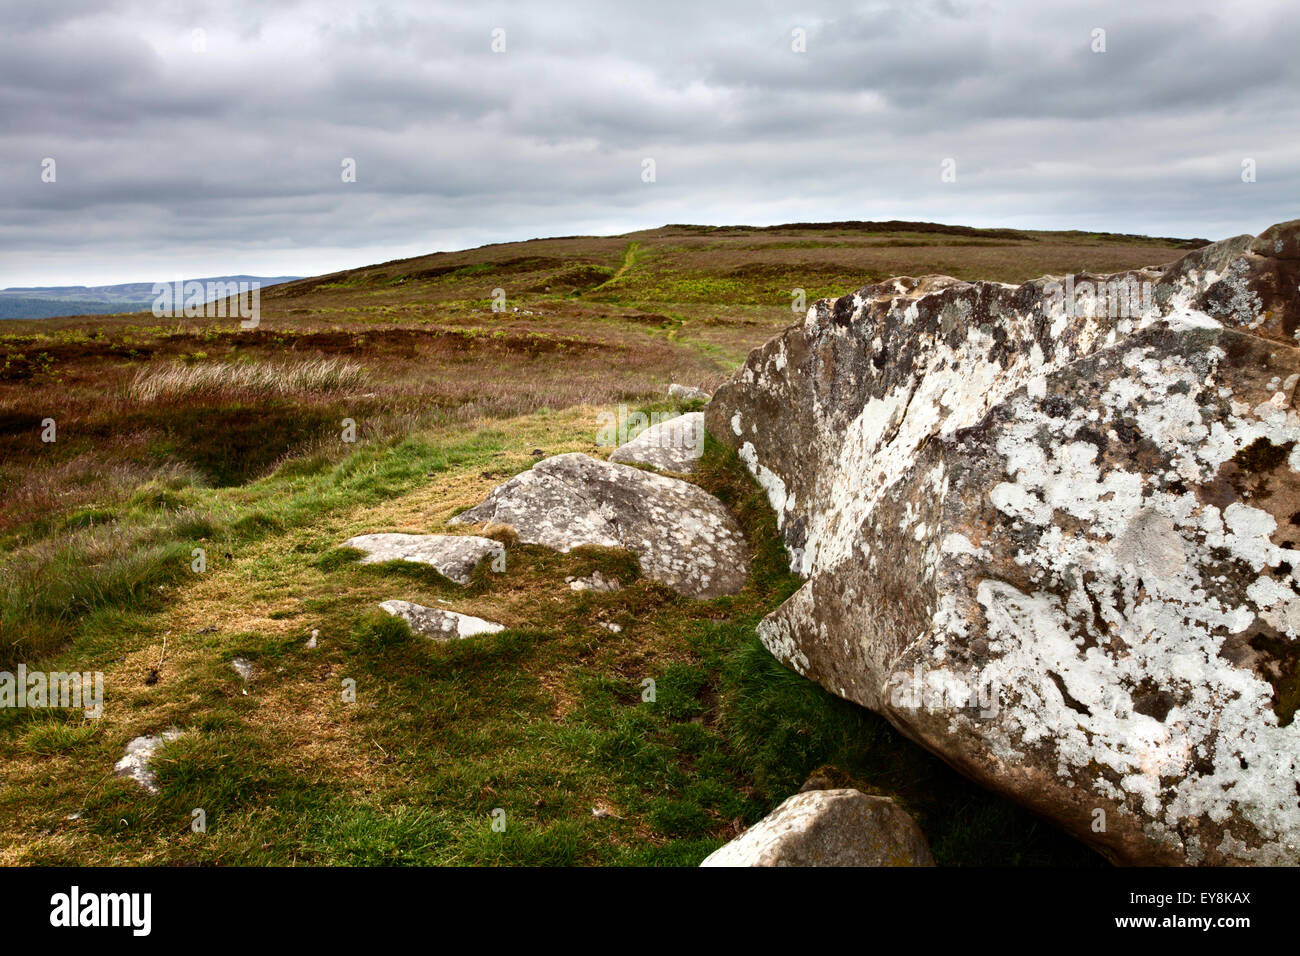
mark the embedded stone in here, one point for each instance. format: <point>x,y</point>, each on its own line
<point>593,582</point>
<point>137,763</point>
<point>454,556</point>
<point>437,623</point>
<point>829,828</point>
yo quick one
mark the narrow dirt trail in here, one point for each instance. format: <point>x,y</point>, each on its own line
<point>629,260</point>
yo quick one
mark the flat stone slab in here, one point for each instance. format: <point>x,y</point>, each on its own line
<point>682,535</point>
<point>454,556</point>
<point>672,445</point>
<point>685,392</point>
<point>137,763</point>
<point>829,828</point>
<point>438,624</point>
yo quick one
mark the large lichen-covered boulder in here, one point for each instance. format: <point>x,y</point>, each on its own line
<point>1052,533</point>
<point>842,827</point>
<point>681,534</point>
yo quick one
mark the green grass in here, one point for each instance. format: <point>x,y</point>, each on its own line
<point>47,591</point>
<point>545,723</point>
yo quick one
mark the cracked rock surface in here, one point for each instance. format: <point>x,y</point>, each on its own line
<point>1055,536</point>
<point>681,534</point>
<point>672,445</point>
<point>439,624</point>
<point>829,828</point>
<point>454,556</point>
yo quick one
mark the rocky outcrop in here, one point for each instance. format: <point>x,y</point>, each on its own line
<point>454,556</point>
<point>1052,533</point>
<point>672,445</point>
<point>438,624</point>
<point>829,828</point>
<point>681,534</point>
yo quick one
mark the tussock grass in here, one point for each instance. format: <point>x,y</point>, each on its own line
<point>262,379</point>
<point>546,721</point>
<point>46,590</point>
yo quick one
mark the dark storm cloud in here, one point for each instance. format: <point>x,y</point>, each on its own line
<point>226,158</point>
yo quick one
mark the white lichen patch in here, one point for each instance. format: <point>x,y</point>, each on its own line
<point>1087,508</point>
<point>769,480</point>
<point>1146,566</point>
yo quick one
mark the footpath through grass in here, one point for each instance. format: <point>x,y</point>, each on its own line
<point>552,729</point>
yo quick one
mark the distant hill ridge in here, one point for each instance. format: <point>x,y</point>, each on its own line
<point>584,263</point>
<point>900,225</point>
<point>42,302</point>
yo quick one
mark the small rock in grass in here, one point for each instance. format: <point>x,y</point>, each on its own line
<point>438,624</point>
<point>672,445</point>
<point>686,392</point>
<point>594,582</point>
<point>136,764</point>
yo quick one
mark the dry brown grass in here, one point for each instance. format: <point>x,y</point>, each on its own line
<point>134,399</point>
<point>260,379</point>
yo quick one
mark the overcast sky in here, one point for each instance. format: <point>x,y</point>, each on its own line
<point>221,151</point>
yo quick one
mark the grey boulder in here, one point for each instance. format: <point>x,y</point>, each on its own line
<point>1049,531</point>
<point>681,534</point>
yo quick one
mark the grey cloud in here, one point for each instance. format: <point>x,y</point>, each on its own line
<point>165,154</point>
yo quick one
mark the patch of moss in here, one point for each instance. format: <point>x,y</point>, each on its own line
<point>1261,455</point>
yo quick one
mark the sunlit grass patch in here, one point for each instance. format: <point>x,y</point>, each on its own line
<point>628,727</point>
<point>250,378</point>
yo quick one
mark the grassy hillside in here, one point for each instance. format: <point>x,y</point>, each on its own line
<point>197,433</point>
